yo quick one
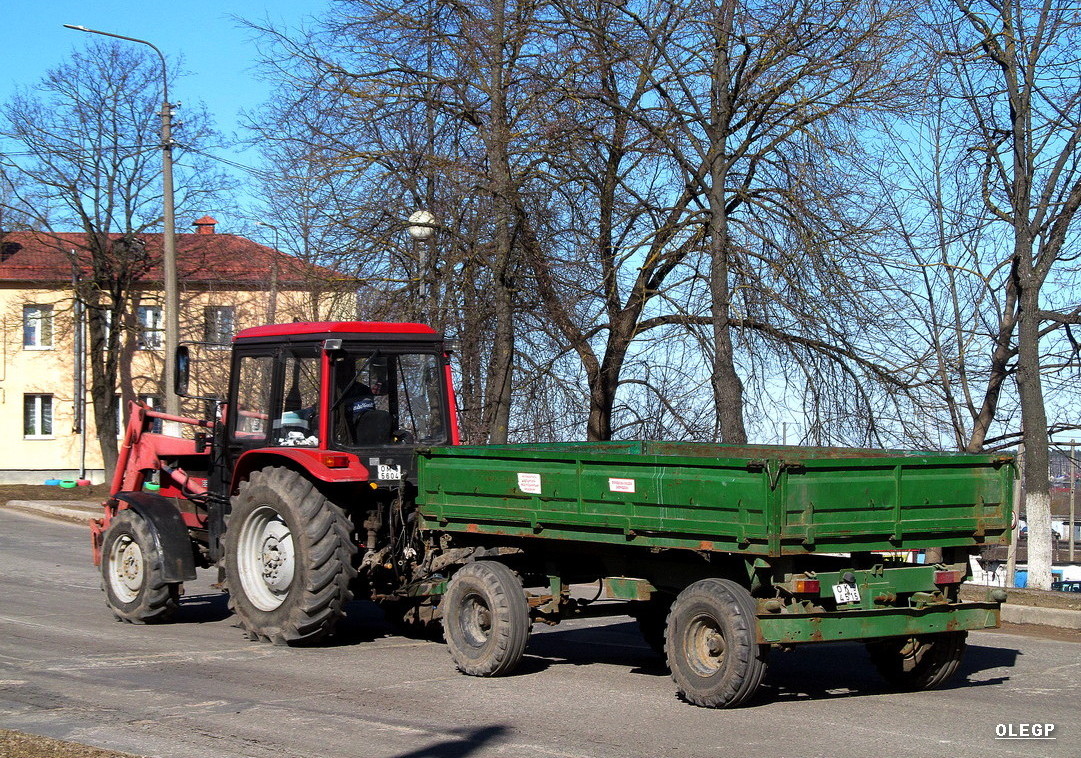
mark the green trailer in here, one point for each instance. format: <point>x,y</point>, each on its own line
<point>720,552</point>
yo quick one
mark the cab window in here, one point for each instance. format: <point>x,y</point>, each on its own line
<point>252,413</point>
<point>296,416</point>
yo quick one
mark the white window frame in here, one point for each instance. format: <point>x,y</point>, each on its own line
<point>37,420</point>
<point>154,403</point>
<point>38,327</point>
<point>151,327</point>
<point>216,337</point>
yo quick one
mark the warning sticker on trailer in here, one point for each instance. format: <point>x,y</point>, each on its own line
<point>529,483</point>
<point>620,485</point>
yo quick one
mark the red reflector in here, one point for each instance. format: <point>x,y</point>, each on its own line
<point>334,461</point>
<point>947,577</point>
<point>807,586</point>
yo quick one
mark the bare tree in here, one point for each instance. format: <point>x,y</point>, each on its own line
<point>423,110</point>
<point>1015,68</point>
<point>86,154</point>
<point>573,153</point>
<point>762,108</point>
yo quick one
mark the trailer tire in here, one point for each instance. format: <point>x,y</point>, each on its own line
<point>918,663</point>
<point>711,644</point>
<point>131,572</point>
<point>486,619</point>
<point>288,558</point>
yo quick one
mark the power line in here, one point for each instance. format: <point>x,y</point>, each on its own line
<point>256,172</point>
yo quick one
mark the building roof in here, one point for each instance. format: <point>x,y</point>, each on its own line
<point>203,257</point>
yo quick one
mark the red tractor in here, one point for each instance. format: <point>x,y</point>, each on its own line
<point>297,489</point>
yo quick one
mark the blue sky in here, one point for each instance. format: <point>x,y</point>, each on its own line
<point>216,53</point>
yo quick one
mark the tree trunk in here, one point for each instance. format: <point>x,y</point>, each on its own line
<point>1034,423</point>
<point>727,386</point>
<point>603,386</point>
<point>500,371</point>
<point>999,369</point>
<point>104,347</point>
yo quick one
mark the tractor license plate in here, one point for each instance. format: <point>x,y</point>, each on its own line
<point>846,593</point>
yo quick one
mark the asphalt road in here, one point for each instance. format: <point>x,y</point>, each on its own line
<point>198,689</point>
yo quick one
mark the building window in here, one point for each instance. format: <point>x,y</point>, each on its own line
<point>151,327</point>
<point>37,416</point>
<point>154,403</point>
<point>220,324</point>
<point>37,327</point>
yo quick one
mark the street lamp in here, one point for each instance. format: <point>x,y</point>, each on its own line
<point>422,228</point>
<point>168,263</point>
<point>272,304</point>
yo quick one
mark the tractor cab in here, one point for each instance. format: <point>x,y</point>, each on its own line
<point>374,390</point>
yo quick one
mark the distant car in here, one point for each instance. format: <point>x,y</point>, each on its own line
<point>1074,586</point>
<point>1055,534</point>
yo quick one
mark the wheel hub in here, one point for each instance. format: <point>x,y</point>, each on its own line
<point>476,621</point>
<point>706,645</point>
<point>715,644</point>
<point>127,568</point>
<point>266,558</point>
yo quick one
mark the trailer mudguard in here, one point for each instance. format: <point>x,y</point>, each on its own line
<point>170,532</point>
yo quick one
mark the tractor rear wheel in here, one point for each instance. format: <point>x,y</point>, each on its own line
<point>131,572</point>
<point>288,558</point>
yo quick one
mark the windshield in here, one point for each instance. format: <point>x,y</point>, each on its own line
<point>382,398</point>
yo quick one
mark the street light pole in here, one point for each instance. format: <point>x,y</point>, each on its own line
<point>272,304</point>
<point>168,262</point>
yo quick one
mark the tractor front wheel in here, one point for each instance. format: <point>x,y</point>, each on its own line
<point>131,572</point>
<point>288,558</point>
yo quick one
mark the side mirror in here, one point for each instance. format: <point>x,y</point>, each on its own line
<point>183,371</point>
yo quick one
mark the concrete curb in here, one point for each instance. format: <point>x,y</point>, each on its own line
<point>1031,614</point>
<point>74,511</point>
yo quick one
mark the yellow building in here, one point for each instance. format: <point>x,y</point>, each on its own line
<point>227,283</point>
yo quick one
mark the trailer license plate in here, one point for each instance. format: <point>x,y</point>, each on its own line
<point>846,593</point>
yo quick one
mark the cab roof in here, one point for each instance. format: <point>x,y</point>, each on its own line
<point>317,329</point>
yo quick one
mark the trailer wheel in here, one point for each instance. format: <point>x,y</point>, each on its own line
<point>918,663</point>
<point>486,619</point>
<point>712,645</point>
<point>131,572</point>
<point>288,558</point>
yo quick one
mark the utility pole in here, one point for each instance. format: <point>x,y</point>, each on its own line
<point>1071,530</point>
<point>272,303</point>
<point>1011,551</point>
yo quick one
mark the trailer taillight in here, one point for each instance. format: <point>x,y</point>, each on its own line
<point>947,577</point>
<point>806,586</point>
<point>334,460</point>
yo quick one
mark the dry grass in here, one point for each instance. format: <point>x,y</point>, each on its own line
<point>19,745</point>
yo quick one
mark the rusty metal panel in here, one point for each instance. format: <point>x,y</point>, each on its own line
<point>791,629</point>
<point>622,588</point>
